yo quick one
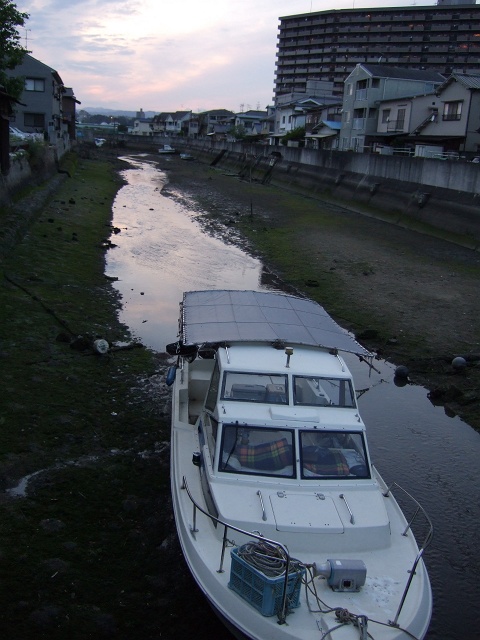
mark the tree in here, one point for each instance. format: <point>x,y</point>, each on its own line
<point>297,135</point>
<point>11,50</point>
<point>238,132</point>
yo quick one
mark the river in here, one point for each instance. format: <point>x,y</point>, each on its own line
<point>162,250</point>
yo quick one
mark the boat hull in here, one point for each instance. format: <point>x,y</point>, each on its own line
<point>269,452</point>
<point>202,551</point>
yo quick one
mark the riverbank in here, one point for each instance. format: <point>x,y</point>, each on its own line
<point>87,542</point>
<point>410,297</point>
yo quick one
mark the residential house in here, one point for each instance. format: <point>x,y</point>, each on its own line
<point>436,124</point>
<point>142,127</point>
<point>172,123</point>
<point>252,122</point>
<point>322,127</point>
<point>216,123</point>
<point>193,126</point>
<point>454,119</point>
<point>41,108</point>
<point>365,87</point>
<point>69,108</point>
<point>293,114</point>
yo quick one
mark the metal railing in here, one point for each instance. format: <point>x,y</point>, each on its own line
<point>426,541</point>
<point>282,612</point>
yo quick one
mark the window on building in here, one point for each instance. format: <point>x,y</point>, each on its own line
<point>385,116</point>
<point>34,84</point>
<point>452,110</point>
<point>36,120</point>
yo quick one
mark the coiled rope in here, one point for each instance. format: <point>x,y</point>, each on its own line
<point>268,559</point>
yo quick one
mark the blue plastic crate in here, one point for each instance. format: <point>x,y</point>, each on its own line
<point>262,592</point>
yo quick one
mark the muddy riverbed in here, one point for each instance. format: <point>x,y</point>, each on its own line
<point>89,549</point>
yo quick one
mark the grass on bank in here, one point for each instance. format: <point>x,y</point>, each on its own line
<point>305,268</point>
<point>79,554</point>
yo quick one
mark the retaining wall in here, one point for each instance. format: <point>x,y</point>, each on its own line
<point>411,192</point>
<point>21,173</point>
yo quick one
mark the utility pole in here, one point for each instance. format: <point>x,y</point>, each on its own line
<point>26,37</point>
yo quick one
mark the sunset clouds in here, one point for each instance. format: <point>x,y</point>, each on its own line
<point>165,55</point>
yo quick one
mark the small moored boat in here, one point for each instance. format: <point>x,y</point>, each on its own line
<point>284,522</point>
<point>166,149</point>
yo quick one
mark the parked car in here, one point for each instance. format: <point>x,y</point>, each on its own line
<point>24,135</point>
<point>476,160</point>
<point>16,133</point>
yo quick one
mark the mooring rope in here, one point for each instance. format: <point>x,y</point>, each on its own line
<point>268,559</point>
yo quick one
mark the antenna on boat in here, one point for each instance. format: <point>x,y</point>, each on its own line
<point>289,352</point>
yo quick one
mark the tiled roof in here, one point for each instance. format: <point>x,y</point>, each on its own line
<point>388,71</point>
<point>471,82</point>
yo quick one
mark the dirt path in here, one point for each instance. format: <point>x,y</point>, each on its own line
<point>419,294</point>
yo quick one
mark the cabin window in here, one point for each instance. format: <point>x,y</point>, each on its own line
<point>255,387</point>
<point>323,392</point>
<point>212,394</point>
<point>211,429</point>
<point>257,450</point>
<point>333,455</point>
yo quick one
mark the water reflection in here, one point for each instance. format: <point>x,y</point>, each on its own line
<point>162,252</point>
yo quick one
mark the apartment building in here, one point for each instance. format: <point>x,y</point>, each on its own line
<point>327,45</point>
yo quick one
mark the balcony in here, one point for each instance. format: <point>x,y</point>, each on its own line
<point>394,126</point>
<point>361,94</point>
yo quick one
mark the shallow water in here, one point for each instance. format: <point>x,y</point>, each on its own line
<point>162,251</point>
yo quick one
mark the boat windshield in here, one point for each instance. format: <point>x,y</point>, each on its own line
<point>255,387</point>
<point>333,455</point>
<point>257,450</point>
<point>327,392</point>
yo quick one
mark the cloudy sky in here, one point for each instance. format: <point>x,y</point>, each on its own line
<point>167,55</point>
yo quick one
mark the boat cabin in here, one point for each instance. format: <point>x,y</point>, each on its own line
<point>285,419</point>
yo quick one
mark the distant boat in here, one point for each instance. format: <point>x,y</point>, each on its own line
<point>186,156</point>
<point>167,149</point>
<point>285,524</point>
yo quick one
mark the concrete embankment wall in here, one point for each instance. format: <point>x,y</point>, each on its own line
<point>427,194</point>
<point>21,173</point>
<point>16,216</point>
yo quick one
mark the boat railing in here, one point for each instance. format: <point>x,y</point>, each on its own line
<point>282,612</point>
<point>419,512</point>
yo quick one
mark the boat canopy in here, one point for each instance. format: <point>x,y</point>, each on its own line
<point>252,316</point>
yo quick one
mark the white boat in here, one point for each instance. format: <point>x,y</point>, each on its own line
<point>167,149</point>
<point>285,524</point>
